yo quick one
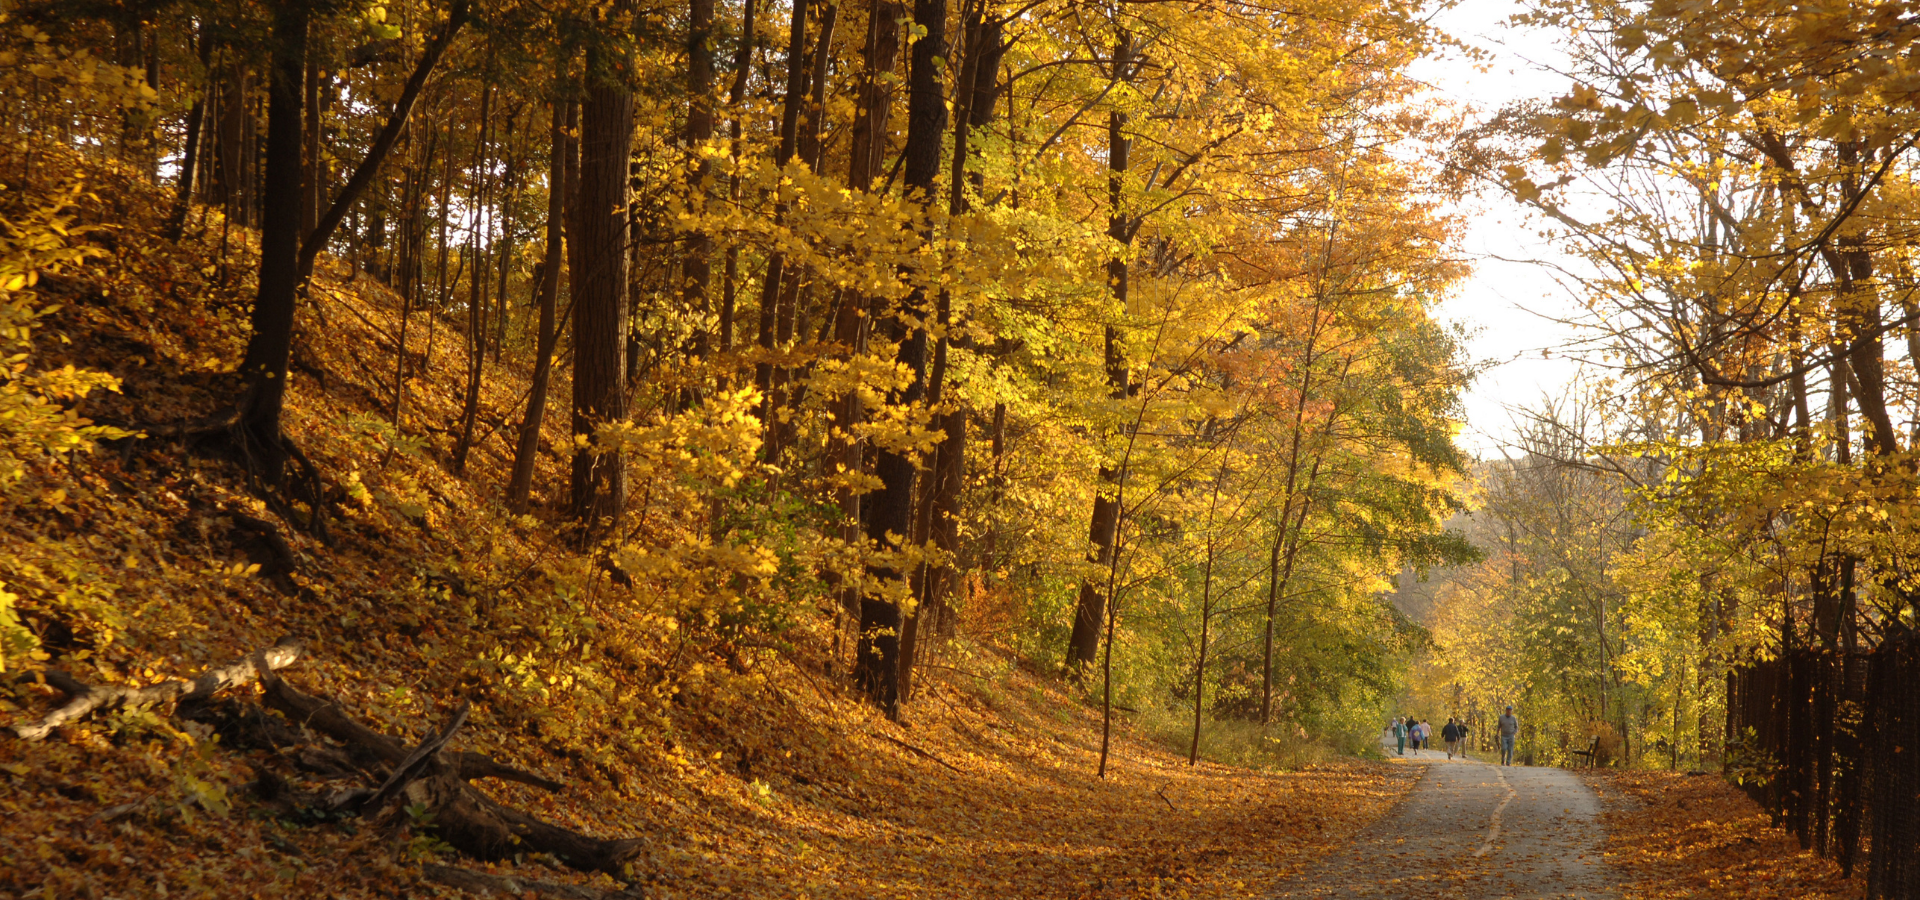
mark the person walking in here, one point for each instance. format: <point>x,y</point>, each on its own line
<point>1509,729</point>
<point>1426,735</point>
<point>1450,733</point>
<point>1463,739</point>
<point>1400,733</point>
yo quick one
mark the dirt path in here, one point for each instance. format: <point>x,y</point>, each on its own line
<point>1470,829</point>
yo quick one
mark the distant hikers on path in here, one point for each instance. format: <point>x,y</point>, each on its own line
<point>1404,731</point>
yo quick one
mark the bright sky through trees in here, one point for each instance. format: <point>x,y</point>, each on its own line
<point>1512,298</point>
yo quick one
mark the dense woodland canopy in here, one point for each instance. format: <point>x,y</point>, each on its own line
<point>1099,332</point>
<point>617,354</point>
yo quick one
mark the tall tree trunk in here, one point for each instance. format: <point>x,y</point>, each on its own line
<point>190,155</point>
<point>413,265</point>
<point>363,174</point>
<point>512,164</point>
<point>877,660</point>
<point>599,264</point>
<point>520,485</point>
<point>1286,535</point>
<point>1206,610</point>
<point>790,314</point>
<point>736,98</point>
<point>775,280</point>
<point>1084,643</point>
<point>479,208</point>
<point>233,176</point>
<point>940,506</point>
<point>696,272</point>
<point>845,452</point>
<point>310,178</point>
<point>271,346</point>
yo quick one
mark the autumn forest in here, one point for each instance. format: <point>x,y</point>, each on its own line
<point>950,448</point>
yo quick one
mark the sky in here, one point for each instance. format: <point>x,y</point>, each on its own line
<point>1509,303</point>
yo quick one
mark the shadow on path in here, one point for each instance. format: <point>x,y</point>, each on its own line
<point>1470,829</point>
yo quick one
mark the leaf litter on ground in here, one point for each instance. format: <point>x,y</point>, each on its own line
<point>745,770</point>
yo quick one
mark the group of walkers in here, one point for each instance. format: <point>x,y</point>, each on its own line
<point>1405,730</point>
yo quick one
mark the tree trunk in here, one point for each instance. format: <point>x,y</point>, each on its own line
<point>845,452</point>
<point>479,208</point>
<point>1084,643</point>
<point>736,98</point>
<point>413,264</point>
<point>696,273</point>
<point>1206,611</point>
<point>790,314</point>
<point>363,174</point>
<point>190,158</point>
<point>513,162</point>
<point>599,264</point>
<point>520,485</point>
<point>940,505</point>
<point>310,177</point>
<point>271,345</point>
<point>775,280</point>
<point>233,181</point>
<point>1200,665</point>
<point>877,662</point>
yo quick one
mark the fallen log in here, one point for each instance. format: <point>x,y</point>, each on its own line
<point>436,779</point>
<point>483,829</point>
<point>85,699</point>
<point>326,717</point>
<point>409,768</point>
<point>485,885</point>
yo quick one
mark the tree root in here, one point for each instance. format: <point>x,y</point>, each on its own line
<point>436,779</point>
<point>430,776</point>
<point>370,746</point>
<point>85,699</point>
<point>486,885</point>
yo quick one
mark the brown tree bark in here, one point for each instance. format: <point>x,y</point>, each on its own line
<point>881,56</point>
<point>939,520</point>
<point>598,259</point>
<point>775,279</point>
<point>1084,642</point>
<point>270,347</point>
<point>736,96</point>
<point>696,271</point>
<point>1206,610</point>
<point>520,484</point>
<point>877,657</point>
<point>191,154</point>
<point>316,240</point>
<point>232,170</point>
<point>479,207</point>
<point>790,314</point>
<point>311,182</point>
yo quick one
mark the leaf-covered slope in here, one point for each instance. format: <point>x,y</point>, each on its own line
<point>742,762</point>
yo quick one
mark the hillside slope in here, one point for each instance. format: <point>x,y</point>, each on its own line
<point>739,761</point>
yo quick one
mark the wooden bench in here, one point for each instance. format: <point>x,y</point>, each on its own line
<point>1593,749</point>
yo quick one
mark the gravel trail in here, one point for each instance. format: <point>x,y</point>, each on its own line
<point>1470,829</point>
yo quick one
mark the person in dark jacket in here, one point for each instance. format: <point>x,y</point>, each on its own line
<point>1450,733</point>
